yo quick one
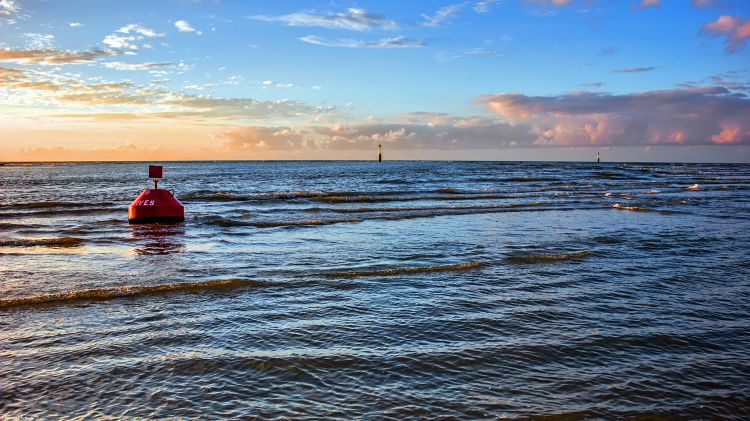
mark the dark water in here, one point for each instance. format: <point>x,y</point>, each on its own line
<point>363,290</point>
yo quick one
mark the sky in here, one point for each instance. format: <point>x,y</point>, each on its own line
<point>633,80</point>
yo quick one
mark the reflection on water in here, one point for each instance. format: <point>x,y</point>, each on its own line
<point>357,290</point>
<point>158,239</point>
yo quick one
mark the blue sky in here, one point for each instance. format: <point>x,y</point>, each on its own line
<point>525,79</point>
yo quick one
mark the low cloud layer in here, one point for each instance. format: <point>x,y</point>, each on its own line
<point>125,98</point>
<point>697,116</point>
<point>52,57</point>
<point>444,133</point>
<point>686,116</point>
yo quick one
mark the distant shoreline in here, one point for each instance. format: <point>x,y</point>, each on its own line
<point>30,163</point>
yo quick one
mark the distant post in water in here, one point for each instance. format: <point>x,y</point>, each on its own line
<point>380,153</point>
<point>597,157</point>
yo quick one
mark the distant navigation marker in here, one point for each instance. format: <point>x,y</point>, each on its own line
<point>597,157</point>
<point>380,153</point>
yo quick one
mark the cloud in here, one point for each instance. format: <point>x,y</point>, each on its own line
<point>353,19</point>
<point>39,41</point>
<point>705,3</point>
<point>735,28</point>
<point>649,3</point>
<point>66,92</point>
<point>442,15</point>
<point>52,57</point>
<point>720,80</point>
<point>606,51</point>
<point>685,116</point>
<point>593,84</point>
<point>184,26</point>
<point>127,37</point>
<point>140,30</point>
<point>484,6</point>
<point>9,8</point>
<point>556,3</point>
<point>449,134</point>
<point>123,65</point>
<point>270,83</point>
<point>395,42</point>
<point>472,52</point>
<point>636,69</point>
<point>75,24</point>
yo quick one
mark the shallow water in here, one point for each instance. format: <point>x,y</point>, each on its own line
<point>365,290</point>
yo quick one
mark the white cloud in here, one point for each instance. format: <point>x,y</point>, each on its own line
<point>269,83</point>
<point>184,26</point>
<point>353,19</point>
<point>8,8</point>
<point>133,34</point>
<point>75,24</point>
<point>39,41</point>
<point>141,30</point>
<point>120,42</point>
<point>442,15</point>
<point>123,65</point>
<point>394,42</point>
<point>484,6</point>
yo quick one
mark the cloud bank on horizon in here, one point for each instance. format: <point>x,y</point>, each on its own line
<point>487,78</point>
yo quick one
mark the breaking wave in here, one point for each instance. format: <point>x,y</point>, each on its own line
<point>547,257</point>
<point>60,242</point>
<point>126,291</point>
<point>619,206</point>
<point>52,204</point>
<point>405,270</point>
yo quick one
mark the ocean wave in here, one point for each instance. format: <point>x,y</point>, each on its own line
<point>304,222</point>
<point>367,198</point>
<point>609,175</point>
<point>619,206</point>
<point>73,211</point>
<point>548,257</point>
<point>389,214</point>
<point>448,190</point>
<point>530,179</point>
<point>12,225</point>
<point>452,208</point>
<point>60,242</point>
<point>229,222</point>
<point>52,204</point>
<point>405,270</point>
<point>126,291</point>
<point>213,196</point>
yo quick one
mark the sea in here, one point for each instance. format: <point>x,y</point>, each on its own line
<point>366,290</point>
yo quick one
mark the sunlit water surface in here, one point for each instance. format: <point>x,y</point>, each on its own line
<point>365,290</point>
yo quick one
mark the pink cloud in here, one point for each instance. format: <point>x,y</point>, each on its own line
<point>735,28</point>
<point>730,133</point>
<point>683,116</point>
<point>556,3</point>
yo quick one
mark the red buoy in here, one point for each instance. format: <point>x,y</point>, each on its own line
<point>156,205</point>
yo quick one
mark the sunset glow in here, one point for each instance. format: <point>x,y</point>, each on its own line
<point>635,80</point>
